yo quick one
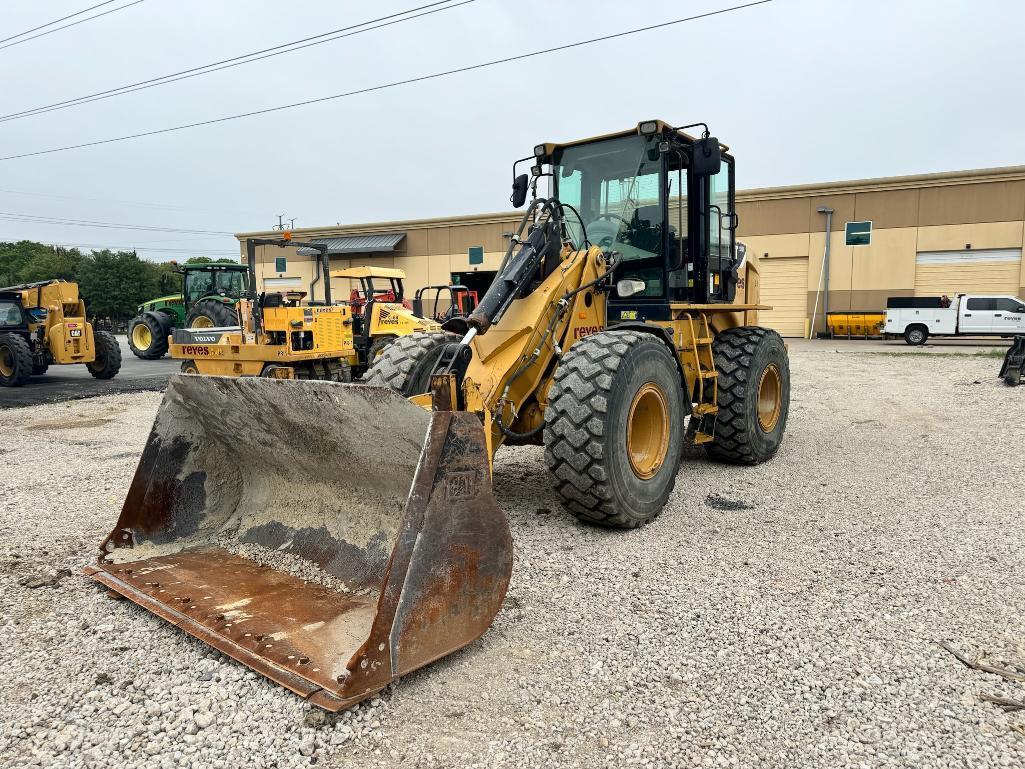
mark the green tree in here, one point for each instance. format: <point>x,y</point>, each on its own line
<point>14,257</point>
<point>113,284</point>
<point>208,260</point>
<point>61,263</point>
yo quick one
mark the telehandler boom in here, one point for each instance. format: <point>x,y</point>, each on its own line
<point>335,537</point>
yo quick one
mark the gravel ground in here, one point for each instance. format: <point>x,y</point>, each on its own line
<point>783,615</point>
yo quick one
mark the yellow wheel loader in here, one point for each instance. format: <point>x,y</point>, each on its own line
<point>335,537</point>
<point>45,323</point>
<point>284,336</point>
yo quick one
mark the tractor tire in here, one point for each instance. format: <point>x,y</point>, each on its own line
<point>146,338</point>
<point>754,395</point>
<point>38,369</point>
<point>916,335</point>
<point>210,313</point>
<point>379,347</point>
<point>108,356</point>
<point>406,365</point>
<point>614,428</point>
<point>15,360</point>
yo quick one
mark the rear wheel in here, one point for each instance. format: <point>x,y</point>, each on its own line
<point>754,395</point>
<point>108,356</point>
<point>378,347</point>
<point>39,368</point>
<point>211,313</point>
<point>189,367</point>
<point>916,335</point>
<point>15,360</point>
<point>614,428</point>
<point>406,365</point>
<point>146,338</point>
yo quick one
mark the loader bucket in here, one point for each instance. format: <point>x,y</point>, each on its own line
<point>331,537</point>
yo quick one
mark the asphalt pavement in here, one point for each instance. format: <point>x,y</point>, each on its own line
<point>63,383</point>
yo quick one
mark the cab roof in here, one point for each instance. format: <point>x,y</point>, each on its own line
<point>550,147</point>
<point>369,272</point>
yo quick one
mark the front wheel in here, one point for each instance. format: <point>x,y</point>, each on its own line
<point>753,395</point>
<point>614,428</point>
<point>406,364</point>
<point>107,362</point>
<point>15,360</point>
<point>147,338</point>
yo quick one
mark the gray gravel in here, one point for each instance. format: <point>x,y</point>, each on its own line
<point>783,615</point>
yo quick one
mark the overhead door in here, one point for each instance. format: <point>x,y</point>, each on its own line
<point>784,286</point>
<point>986,271</point>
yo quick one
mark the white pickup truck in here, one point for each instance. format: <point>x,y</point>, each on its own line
<point>916,318</point>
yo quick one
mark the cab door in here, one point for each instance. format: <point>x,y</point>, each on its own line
<point>977,315</point>
<point>1009,317</point>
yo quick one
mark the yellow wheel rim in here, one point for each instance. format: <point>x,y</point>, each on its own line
<point>142,337</point>
<point>201,321</point>
<point>770,398</point>
<point>6,362</point>
<point>189,367</point>
<point>647,431</point>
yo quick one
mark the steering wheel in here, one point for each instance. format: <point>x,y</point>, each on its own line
<point>599,231</point>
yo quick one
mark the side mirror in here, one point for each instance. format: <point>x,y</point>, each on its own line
<point>628,287</point>
<point>519,193</point>
<point>706,157</point>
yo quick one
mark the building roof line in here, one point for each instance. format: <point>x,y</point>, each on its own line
<point>879,184</point>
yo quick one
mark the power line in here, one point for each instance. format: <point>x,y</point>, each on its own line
<point>72,24</point>
<point>135,247</point>
<point>237,61</point>
<point>394,84</point>
<point>57,21</point>
<point>69,222</point>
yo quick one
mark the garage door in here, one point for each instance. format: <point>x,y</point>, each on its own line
<point>990,271</point>
<point>784,286</point>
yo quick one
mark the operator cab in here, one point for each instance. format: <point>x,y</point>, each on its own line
<point>227,280</point>
<point>657,200</point>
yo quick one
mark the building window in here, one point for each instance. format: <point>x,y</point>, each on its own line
<point>280,264</point>
<point>476,254</point>
<point>858,233</point>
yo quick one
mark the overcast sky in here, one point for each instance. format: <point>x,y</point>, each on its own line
<point>802,90</point>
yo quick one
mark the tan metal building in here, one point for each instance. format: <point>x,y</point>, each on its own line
<point>898,236</point>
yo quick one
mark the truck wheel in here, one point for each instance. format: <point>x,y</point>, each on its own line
<point>146,338</point>
<point>15,360</point>
<point>406,365</point>
<point>916,335</point>
<point>108,356</point>
<point>210,313</point>
<point>753,395</point>
<point>614,428</point>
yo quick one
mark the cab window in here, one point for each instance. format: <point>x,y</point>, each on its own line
<point>981,304</point>
<point>10,314</point>
<point>1006,304</point>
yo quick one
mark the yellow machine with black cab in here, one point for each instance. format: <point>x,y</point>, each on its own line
<point>338,537</point>
<point>45,323</point>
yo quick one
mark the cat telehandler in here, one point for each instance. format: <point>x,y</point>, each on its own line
<point>44,323</point>
<point>335,537</point>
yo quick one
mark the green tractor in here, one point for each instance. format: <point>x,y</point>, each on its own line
<point>208,298</point>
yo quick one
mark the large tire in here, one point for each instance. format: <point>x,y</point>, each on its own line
<point>39,368</point>
<point>210,313</point>
<point>614,428</point>
<point>108,356</point>
<point>754,395</point>
<point>15,360</point>
<point>916,335</point>
<point>147,338</point>
<point>407,364</point>
<point>379,347</point>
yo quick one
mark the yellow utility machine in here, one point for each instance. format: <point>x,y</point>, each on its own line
<point>283,336</point>
<point>45,323</point>
<point>335,537</point>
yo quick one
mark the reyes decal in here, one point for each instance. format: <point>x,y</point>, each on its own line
<point>193,350</point>
<point>581,331</point>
